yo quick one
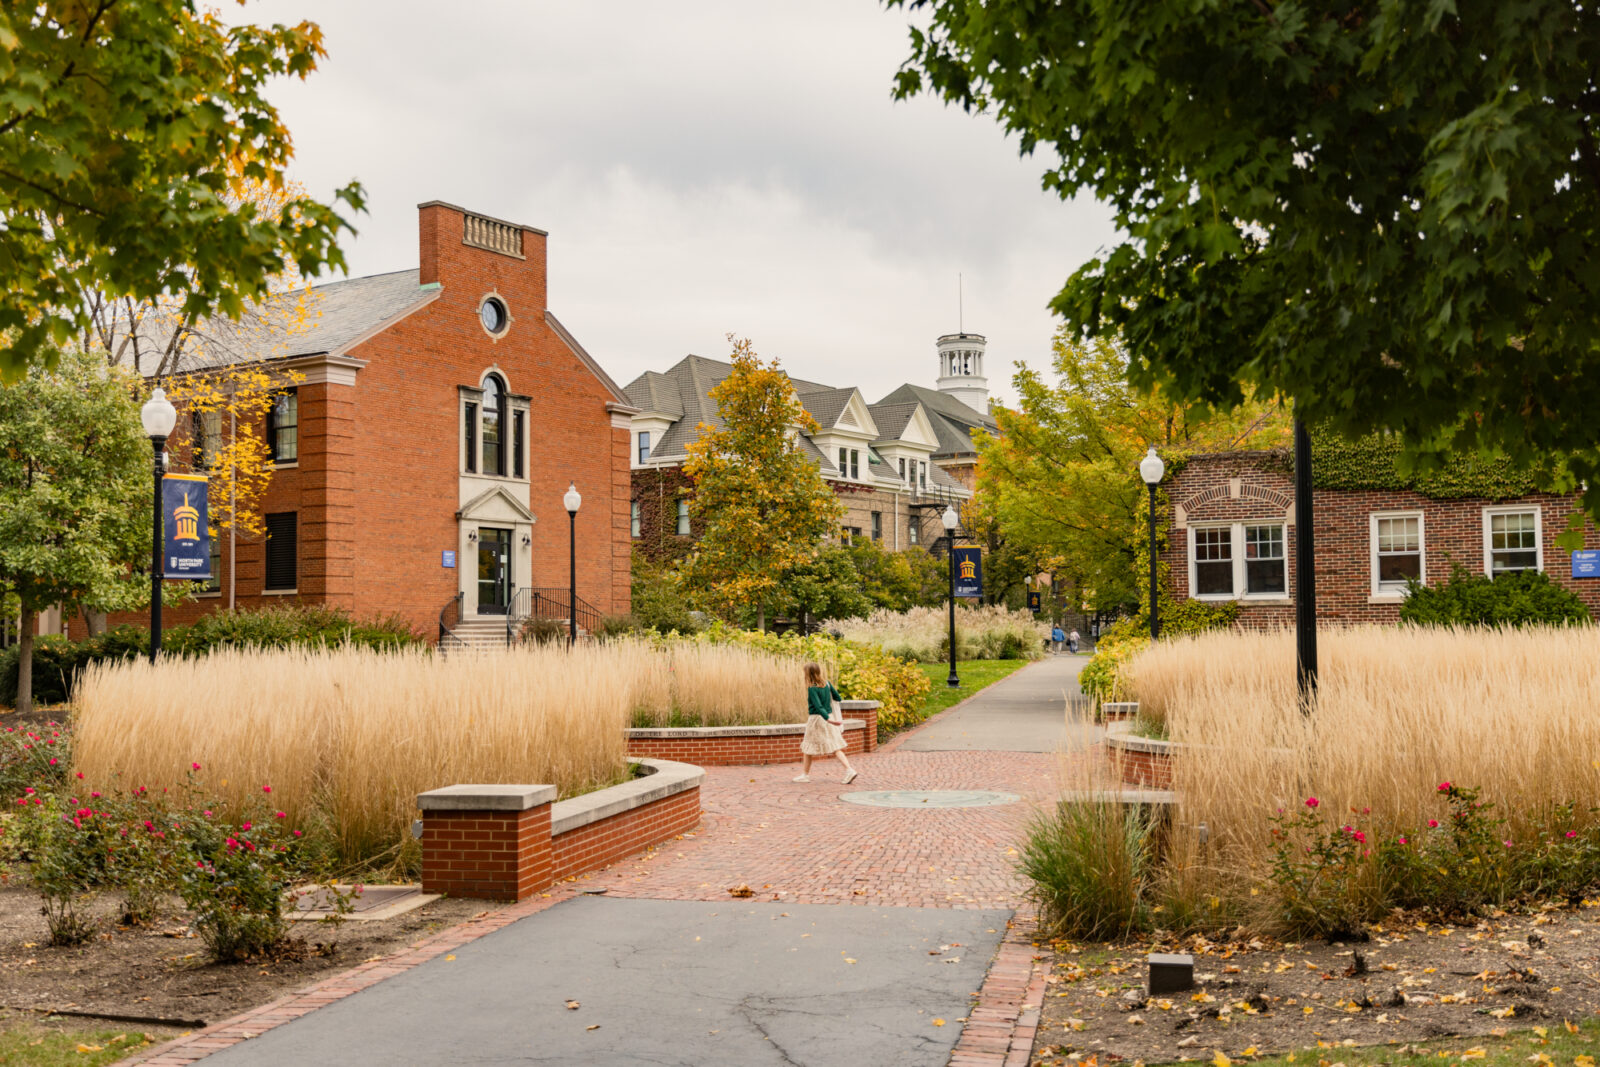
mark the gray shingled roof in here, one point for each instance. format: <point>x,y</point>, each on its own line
<point>338,315</point>
<point>826,405</point>
<point>892,419</point>
<point>952,420</point>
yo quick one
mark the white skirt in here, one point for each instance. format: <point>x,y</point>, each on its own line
<point>822,737</point>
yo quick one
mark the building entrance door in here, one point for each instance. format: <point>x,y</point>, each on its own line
<point>494,571</point>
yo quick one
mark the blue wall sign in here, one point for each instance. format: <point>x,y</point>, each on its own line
<point>183,514</point>
<point>968,563</point>
<point>1033,601</point>
<point>1586,563</point>
<point>448,559</point>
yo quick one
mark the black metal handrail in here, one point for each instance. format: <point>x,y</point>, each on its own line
<point>550,605</point>
<point>449,619</point>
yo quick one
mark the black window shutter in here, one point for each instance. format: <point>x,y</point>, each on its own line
<point>516,443</point>
<point>282,551</point>
<point>472,437</point>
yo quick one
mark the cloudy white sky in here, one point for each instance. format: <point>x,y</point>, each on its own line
<point>702,167</point>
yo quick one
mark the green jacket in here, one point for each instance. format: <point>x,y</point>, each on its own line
<point>820,698</point>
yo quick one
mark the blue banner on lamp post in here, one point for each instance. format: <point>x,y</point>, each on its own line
<point>969,571</point>
<point>187,552</point>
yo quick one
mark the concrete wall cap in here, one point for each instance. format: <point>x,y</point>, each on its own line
<point>860,705</point>
<point>708,732</point>
<point>662,778</point>
<point>1129,743</point>
<point>486,797</point>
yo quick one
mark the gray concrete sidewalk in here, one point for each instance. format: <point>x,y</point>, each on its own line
<point>1023,713</point>
<point>667,982</point>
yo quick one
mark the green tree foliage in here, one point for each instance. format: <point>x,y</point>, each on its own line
<point>124,127</point>
<point>824,586</point>
<point>759,501</point>
<point>1388,211</point>
<point>1062,476</point>
<point>898,581</point>
<point>74,494</point>
<point>1514,598</point>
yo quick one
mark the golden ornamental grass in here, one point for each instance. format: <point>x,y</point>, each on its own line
<point>1398,711</point>
<point>353,735</point>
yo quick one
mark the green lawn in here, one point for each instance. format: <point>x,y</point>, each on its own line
<point>975,674</point>
<point>25,1042</point>
<point>1556,1044</point>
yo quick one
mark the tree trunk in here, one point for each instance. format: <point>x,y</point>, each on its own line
<point>25,661</point>
<point>94,622</point>
<point>761,617</point>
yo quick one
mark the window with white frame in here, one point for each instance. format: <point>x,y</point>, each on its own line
<point>924,476</point>
<point>902,468</point>
<point>1241,559</point>
<point>1397,552</point>
<point>644,446</point>
<point>914,532</point>
<point>683,518</point>
<point>633,517</point>
<point>1511,540</point>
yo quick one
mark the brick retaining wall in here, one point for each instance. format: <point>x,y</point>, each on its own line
<point>508,842</point>
<point>713,746</point>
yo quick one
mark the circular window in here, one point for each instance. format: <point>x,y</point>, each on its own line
<point>493,315</point>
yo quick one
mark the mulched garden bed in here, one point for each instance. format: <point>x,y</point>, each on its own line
<point>161,972</point>
<point>1412,983</point>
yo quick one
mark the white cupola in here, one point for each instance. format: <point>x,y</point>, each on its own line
<point>961,370</point>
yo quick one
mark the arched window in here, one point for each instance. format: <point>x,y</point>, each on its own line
<point>494,438</point>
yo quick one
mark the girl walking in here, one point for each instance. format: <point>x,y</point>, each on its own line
<point>823,737</point>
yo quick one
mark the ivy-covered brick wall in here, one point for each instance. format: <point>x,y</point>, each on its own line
<point>1259,487</point>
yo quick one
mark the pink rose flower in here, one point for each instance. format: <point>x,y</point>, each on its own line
<point>1312,802</point>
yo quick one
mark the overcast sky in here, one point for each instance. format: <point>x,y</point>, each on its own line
<point>702,167</point>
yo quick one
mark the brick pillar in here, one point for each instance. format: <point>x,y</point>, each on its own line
<point>327,509</point>
<point>867,712</point>
<point>487,842</point>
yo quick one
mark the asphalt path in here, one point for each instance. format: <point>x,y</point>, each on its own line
<point>670,983</point>
<point>1025,712</point>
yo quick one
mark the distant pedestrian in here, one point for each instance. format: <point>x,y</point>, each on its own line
<point>1057,637</point>
<point>824,734</point>
<point>1072,642</point>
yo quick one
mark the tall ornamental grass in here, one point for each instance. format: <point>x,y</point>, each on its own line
<point>990,632</point>
<point>690,684</point>
<point>1419,743</point>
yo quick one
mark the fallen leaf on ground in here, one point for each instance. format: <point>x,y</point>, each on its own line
<point>741,890</point>
<point>573,1005</point>
<point>938,1022</point>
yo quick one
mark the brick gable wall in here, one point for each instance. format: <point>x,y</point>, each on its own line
<point>1246,486</point>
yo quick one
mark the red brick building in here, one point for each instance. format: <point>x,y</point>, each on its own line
<point>1231,538</point>
<point>423,456</point>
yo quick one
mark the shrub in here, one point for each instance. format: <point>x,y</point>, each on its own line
<point>37,757</point>
<point>1089,864</point>
<point>1514,598</point>
<point>233,875</point>
<point>542,632</point>
<point>68,846</point>
<point>659,601</point>
<point>922,634</point>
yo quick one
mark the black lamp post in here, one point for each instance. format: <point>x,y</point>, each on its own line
<point>951,520</point>
<point>1305,570</point>
<point>158,416</point>
<point>1151,469</point>
<point>571,499</point>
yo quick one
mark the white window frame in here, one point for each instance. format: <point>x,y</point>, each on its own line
<point>634,517</point>
<point>1512,509</point>
<point>683,527</point>
<point>1389,590</point>
<point>1240,571</point>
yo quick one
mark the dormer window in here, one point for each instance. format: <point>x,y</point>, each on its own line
<point>644,446</point>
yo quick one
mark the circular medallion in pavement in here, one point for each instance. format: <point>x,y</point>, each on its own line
<point>930,798</point>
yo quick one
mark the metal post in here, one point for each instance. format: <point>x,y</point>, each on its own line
<point>157,445</point>
<point>1155,616</point>
<point>1305,570</point>
<point>954,682</point>
<point>572,578</point>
